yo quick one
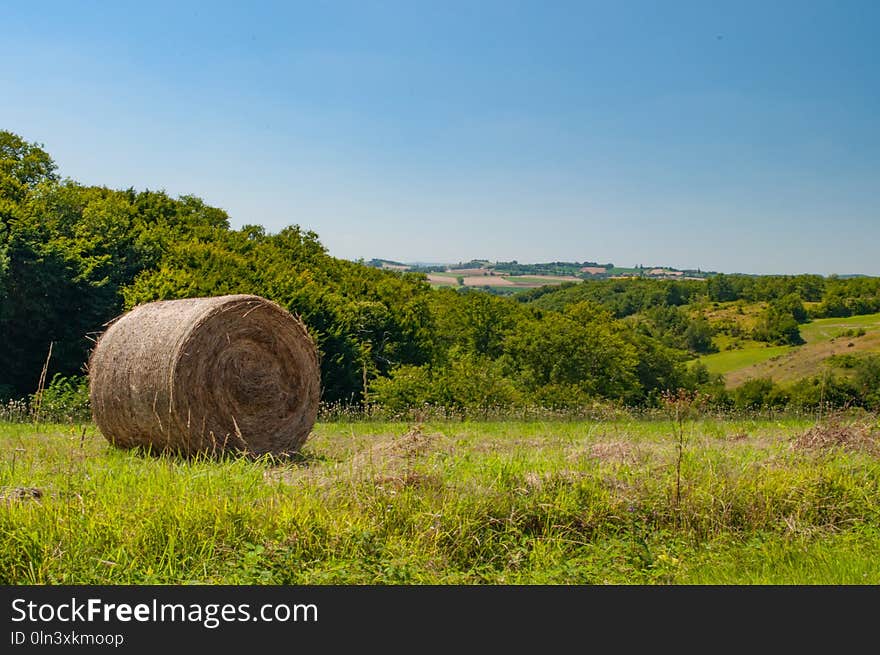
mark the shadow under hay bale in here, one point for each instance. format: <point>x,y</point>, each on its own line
<point>206,375</point>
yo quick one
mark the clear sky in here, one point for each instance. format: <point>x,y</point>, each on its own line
<point>730,136</point>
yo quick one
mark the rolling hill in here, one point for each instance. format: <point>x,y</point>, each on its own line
<point>826,340</point>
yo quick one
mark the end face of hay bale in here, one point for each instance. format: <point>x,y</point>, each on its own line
<point>206,375</point>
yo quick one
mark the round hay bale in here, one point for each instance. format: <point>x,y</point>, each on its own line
<point>202,375</point>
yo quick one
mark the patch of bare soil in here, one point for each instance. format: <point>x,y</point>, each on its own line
<point>487,280</point>
<point>442,279</point>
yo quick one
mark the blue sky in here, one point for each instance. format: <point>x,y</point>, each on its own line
<point>730,136</point>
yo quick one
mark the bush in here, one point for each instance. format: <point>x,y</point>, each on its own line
<point>825,392</point>
<point>779,328</point>
<point>698,336</point>
<point>65,400</point>
<point>406,388</point>
<point>469,383</point>
<point>759,393</point>
<point>867,380</point>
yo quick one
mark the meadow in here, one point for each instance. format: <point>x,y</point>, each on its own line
<point>729,361</point>
<point>713,500</point>
<point>823,338</point>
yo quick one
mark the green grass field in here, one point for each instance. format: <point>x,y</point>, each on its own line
<point>732,360</point>
<point>823,329</point>
<point>788,363</point>
<point>555,502</point>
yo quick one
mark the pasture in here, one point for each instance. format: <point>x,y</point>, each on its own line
<point>728,361</point>
<point>619,501</point>
<point>824,338</point>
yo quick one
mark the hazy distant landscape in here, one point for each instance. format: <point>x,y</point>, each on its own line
<point>504,278</point>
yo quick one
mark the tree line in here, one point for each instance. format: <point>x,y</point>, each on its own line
<point>72,257</point>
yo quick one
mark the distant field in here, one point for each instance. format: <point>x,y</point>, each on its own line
<point>824,338</point>
<point>807,360</point>
<point>542,279</point>
<point>827,328</point>
<point>449,278</point>
<point>487,280</point>
<point>442,280</point>
<point>465,271</point>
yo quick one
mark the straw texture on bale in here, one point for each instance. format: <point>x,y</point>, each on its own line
<point>235,373</point>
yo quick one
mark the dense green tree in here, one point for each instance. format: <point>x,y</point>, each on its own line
<point>23,166</point>
<point>778,323</point>
<point>583,347</point>
<point>698,336</point>
<point>792,304</point>
<point>473,321</point>
<point>759,393</point>
<point>721,289</point>
<point>621,297</point>
<point>867,381</point>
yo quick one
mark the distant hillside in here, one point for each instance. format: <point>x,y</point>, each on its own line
<point>831,345</point>
<point>509,277</point>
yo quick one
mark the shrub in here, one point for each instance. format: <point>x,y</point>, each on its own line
<point>759,393</point>
<point>65,400</point>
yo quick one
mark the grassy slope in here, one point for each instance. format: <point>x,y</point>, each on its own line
<point>787,363</point>
<point>536,502</point>
<point>736,360</point>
